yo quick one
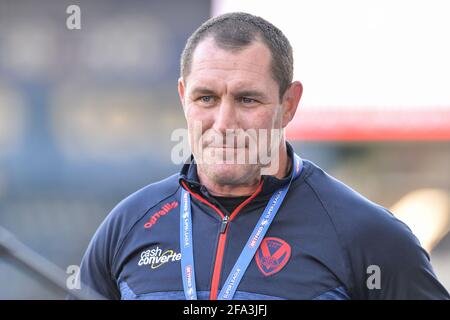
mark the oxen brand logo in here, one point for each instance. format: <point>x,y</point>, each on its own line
<point>272,255</point>
<point>164,210</point>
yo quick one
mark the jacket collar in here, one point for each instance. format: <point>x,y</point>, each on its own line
<point>271,184</point>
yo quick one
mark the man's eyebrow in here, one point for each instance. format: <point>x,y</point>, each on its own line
<point>250,93</point>
<point>202,90</point>
<point>238,94</point>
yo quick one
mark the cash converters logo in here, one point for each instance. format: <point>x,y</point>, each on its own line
<point>155,258</point>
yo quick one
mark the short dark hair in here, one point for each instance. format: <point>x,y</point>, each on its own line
<point>237,30</point>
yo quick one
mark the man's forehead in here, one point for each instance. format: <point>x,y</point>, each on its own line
<point>254,58</point>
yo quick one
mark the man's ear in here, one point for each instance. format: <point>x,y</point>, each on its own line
<point>181,90</point>
<point>290,101</point>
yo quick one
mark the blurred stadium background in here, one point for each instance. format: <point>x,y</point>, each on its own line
<point>86,115</point>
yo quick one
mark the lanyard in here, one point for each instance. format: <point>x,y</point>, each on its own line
<point>247,254</point>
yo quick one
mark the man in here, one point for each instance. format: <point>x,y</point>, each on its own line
<point>282,229</point>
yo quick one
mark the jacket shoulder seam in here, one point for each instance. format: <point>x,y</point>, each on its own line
<point>341,242</point>
<point>122,241</point>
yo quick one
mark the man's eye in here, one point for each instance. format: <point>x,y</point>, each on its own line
<point>246,100</point>
<point>206,99</point>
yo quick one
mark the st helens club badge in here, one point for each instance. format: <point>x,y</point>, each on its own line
<point>272,255</point>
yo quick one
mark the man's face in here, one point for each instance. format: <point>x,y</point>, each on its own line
<point>227,93</point>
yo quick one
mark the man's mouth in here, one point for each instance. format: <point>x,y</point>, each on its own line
<point>226,147</point>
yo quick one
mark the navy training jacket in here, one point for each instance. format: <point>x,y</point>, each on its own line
<point>326,242</point>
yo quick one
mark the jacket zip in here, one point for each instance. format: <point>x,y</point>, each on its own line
<point>223,235</point>
<point>224,223</point>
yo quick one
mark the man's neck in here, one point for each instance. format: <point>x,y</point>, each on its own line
<point>247,188</point>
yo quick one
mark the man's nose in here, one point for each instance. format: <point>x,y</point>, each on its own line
<point>226,116</point>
